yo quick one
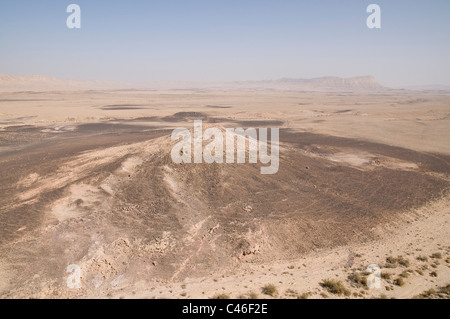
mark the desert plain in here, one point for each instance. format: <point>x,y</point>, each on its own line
<point>86,179</point>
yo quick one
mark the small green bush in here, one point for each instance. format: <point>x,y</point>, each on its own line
<point>399,282</point>
<point>253,295</point>
<point>392,262</point>
<point>436,256</point>
<point>303,296</point>
<point>386,275</point>
<point>270,290</point>
<point>357,280</point>
<point>335,287</point>
<point>422,258</point>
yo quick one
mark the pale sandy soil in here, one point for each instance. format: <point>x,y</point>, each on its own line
<point>417,120</point>
<point>422,232</point>
<point>86,179</point>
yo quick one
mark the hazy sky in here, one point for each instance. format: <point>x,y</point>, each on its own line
<point>160,40</point>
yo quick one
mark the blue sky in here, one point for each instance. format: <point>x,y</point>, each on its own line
<point>160,40</point>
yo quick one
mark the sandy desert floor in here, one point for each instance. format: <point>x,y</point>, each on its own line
<point>86,179</point>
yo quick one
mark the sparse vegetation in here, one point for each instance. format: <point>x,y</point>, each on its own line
<point>404,274</point>
<point>253,295</point>
<point>382,296</point>
<point>291,293</point>
<point>403,261</point>
<point>357,280</point>
<point>441,293</point>
<point>422,258</point>
<point>392,262</point>
<point>270,290</point>
<point>221,296</point>
<point>250,295</point>
<point>433,274</point>
<point>426,294</point>
<point>399,282</point>
<point>303,296</point>
<point>386,275</point>
<point>335,287</point>
<point>436,256</point>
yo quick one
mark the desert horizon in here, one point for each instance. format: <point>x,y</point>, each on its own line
<point>43,83</point>
<point>88,180</point>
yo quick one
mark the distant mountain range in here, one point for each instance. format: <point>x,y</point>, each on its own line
<point>12,83</point>
<point>330,83</point>
<point>9,83</point>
